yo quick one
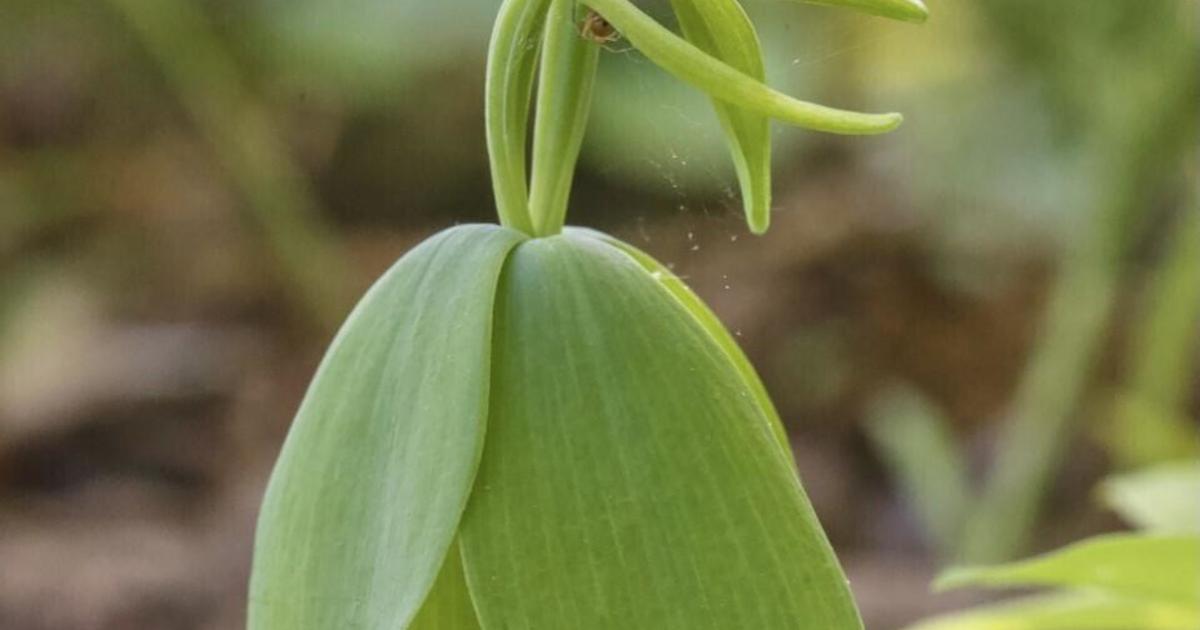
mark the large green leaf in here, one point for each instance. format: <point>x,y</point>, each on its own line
<point>722,29</point>
<point>630,478</point>
<point>708,321</point>
<point>1165,498</point>
<point>1069,611</point>
<point>1158,568</point>
<point>366,497</point>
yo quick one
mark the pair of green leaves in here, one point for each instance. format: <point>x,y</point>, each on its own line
<point>1148,580</point>
<point>719,53</point>
<point>538,434</point>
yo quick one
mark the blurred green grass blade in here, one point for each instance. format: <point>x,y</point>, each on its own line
<point>915,442</point>
<point>449,605</point>
<point>709,322</point>
<point>568,73</point>
<point>1068,611</point>
<point>1160,568</point>
<point>719,80</point>
<point>512,66</point>
<point>906,10</point>
<point>722,29</point>
<point>641,487</point>
<point>367,494</point>
<point>1164,499</point>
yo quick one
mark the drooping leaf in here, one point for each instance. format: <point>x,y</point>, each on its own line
<point>367,494</point>
<point>630,478</point>
<point>568,73</point>
<point>512,66</point>
<point>1155,568</point>
<point>708,321</point>
<point>1068,611</point>
<point>722,29</point>
<point>907,10</point>
<point>719,80</point>
<point>1164,499</point>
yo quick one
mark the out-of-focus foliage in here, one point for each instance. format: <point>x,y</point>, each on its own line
<point>1140,580</point>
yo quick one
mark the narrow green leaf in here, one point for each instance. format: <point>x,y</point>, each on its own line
<point>719,80</point>
<point>367,495</point>
<point>708,321</point>
<point>630,478</point>
<point>1164,499</point>
<point>449,605</point>
<point>907,10</point>
<point>722,29</point>
<point>512,64</point>
<point>1162,568</point>
<point>917,445</point>
<point>564,101</point>
<point>1068,611</point>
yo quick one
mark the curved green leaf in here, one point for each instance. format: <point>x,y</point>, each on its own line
<point>709,322</point>
<point>1162,568</point>
<point>1068,611</point>
<point>564,101</point>
<point>722,29</point>
<point>719,80</point>
<point>630,479</point>
<point>366,497</point>
<point>907,10</point>
<point>512,65</point>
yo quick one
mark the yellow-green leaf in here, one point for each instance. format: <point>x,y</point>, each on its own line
<point>1154,568</point>
<point>1068,611</point>
<point>722,29</point>
<point>367,494</point>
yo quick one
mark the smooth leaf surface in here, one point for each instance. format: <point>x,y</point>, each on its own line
<point>1158,568</point>
<point>692,65</point>
<point>722,29</point>
<point>449,605</point>
<point>1165,498</point>
<point>907,10</point>
<point>1069,611</point>
<point>709,322</point>
<point>367,494</point>
<point>630,478</point>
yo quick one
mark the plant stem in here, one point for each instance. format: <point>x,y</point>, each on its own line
<point>694,66</point>
<point>246,141</point>
<point>568,74</point>
<point>511,66</point>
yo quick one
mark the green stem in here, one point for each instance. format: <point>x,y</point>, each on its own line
<point>512,64</point>
<point>694,66</point>
<point>568,74</point>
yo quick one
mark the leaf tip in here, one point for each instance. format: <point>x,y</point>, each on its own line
<point>954,577</point>
<point>913,11</point>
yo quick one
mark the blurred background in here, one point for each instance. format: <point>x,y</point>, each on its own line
<point>965,324</point>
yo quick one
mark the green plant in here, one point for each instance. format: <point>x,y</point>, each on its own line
<point>526,426</point>
<point>1148,580</point>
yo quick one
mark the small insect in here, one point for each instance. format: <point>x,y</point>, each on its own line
<point>597,29</point>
